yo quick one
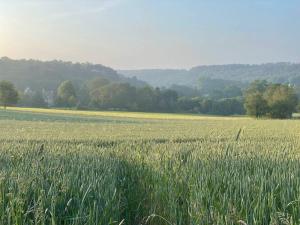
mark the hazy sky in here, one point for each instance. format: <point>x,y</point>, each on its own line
<point>126,34</point>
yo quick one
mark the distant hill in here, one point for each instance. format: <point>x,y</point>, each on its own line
<point>274,72</point>
<point>48,75</point>
<point>39,75</point>
<point>161,77</point>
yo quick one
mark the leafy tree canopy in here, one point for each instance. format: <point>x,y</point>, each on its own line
<point>8,94</point>
<point>66,94</point>
<point>273,100</point>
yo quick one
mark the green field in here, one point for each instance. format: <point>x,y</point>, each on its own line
<point>77,167</point>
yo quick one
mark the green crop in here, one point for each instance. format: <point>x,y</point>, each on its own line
<point>76,168</point>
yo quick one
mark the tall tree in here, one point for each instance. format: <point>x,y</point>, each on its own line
<point>273,100</point>
<point>282,100</point>
<point>34,99</point>
<point>145,99</point>
<point>168,100</point>
<point>255,105</point>
<point>122,96</point>
<point>66,94</point>
<point>8,94</point>
<point>37,100</point>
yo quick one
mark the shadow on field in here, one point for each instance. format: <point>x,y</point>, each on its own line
<point>51,117</point>
<point>102,182</point>
<point>151,197</point>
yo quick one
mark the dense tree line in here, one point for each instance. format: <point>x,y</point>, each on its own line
<point>102,94</point>
<point>219,90</point>
<point>260,99</point>
<point>224,106</point>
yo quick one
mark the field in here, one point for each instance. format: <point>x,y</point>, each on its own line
<point>76,167</point>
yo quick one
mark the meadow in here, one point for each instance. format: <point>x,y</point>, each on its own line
<point>77,167</point>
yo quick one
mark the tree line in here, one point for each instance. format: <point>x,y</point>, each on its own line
<point>259,99</point>
<point>102,94</point>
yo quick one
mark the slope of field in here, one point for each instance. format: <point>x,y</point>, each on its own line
<point>68,167</point>
<point>120,114</point>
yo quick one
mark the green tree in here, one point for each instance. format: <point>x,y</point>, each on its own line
<point>167,100</point>
<point>282,100</point>
<point>122,96</point>
<point>97,83</point>
<point>228,106</point>
<point>259,86</point>
<point>84,99</point>
<point>145,99</point>
<point>97,93</point>
<point>273,100</point>
<point>206,106</point>
<point>66,95</point>
<point>35,99</point>
<point>255,105</point>
<point>191,105</point>
<point>8,94</point>
<point>232,91</point>
<point>114,96</point>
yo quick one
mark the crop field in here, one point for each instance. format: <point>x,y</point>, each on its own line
<point>77,167</point>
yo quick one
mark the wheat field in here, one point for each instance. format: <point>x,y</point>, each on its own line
<point>80,167</point>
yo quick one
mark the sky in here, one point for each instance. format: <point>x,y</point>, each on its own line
<point>136,34</point>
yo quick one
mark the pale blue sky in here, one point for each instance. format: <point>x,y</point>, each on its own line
<point>127,34</point>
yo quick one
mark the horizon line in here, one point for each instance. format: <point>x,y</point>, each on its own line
<point>152,68</point>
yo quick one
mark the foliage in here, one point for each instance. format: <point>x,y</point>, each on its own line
<point>273,100</point>
<point>224,106</point>
<point>66,94</point>
<point>256,105</point>
<point>35,99</point>
<point>218,88</point>
<point>38,75</point>
<point>186,91</point>
<point>239,73</point>
<point>8,94</point>
<point>103,94</point>
<point>89,86</point>
<point>123,96</point>
<point>282,100</point>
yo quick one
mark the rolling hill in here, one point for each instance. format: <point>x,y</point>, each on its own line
<point>48,75</point>
<point>273,72</point>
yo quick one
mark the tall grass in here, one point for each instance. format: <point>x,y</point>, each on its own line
<point>156,173</point>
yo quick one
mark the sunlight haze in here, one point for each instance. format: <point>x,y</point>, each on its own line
<point>130,34</point>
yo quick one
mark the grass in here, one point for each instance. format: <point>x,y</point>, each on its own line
<point>69,167</point>
<point>118,114</point>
